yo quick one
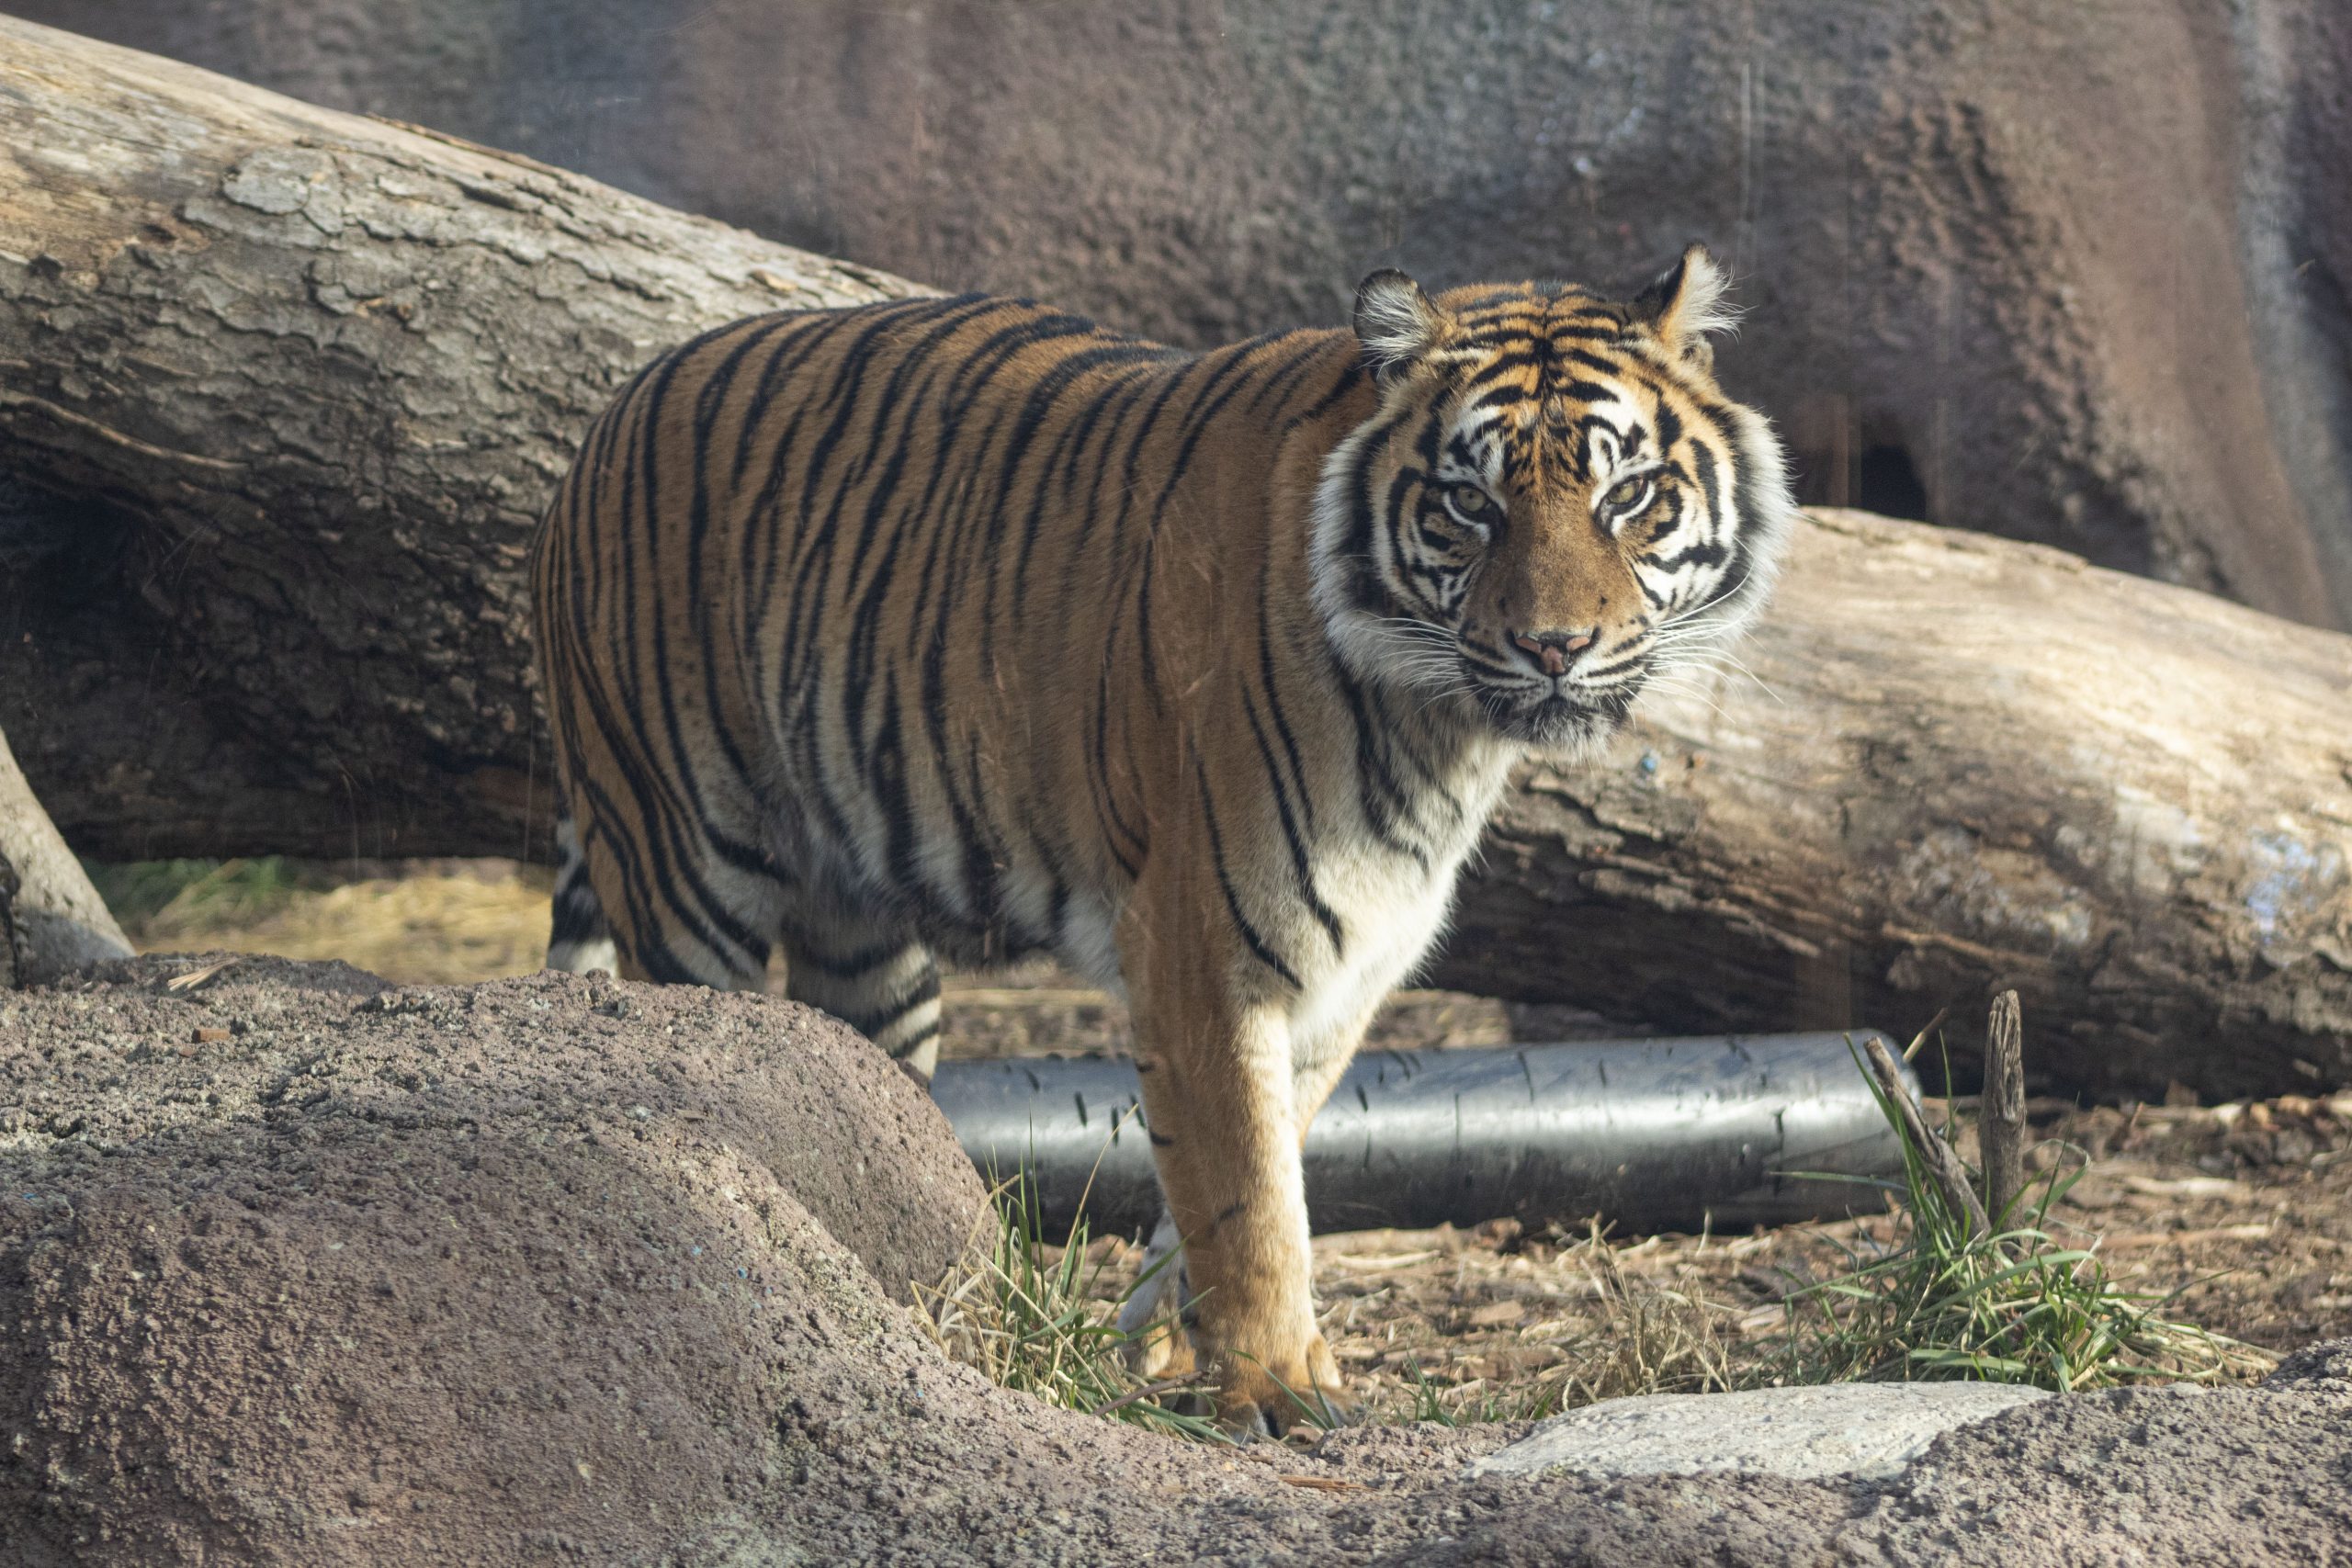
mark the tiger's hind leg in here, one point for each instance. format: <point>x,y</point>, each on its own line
<point>579,939</point>
<point>870,974</point>
<point>681,901</point>
<point>1153,1318</point>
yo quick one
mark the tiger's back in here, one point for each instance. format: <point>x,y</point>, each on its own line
<point>852,617</point>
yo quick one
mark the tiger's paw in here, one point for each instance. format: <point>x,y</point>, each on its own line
<point>1259,1398</point>
<point>1162,1352</point>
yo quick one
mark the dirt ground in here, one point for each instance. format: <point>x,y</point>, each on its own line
<point>2237,1218</point>
<point>2240,1215</point>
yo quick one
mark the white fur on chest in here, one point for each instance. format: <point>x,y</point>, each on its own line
<point>1394,910</point>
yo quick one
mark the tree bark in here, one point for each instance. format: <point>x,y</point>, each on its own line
<point>2000,1119</point>
<point>1961,766</point>
<point>52,920</point>
<point>305,380</point>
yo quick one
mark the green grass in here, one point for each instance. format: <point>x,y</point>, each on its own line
<point>1948,1300</point>
<point>1030,1316</point>
<point>162,896</point>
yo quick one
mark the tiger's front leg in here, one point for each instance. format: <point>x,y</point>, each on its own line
<point>1217,1097</point>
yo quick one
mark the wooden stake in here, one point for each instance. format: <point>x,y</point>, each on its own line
<point>1944,1167</point>
<point>2000,1128</point>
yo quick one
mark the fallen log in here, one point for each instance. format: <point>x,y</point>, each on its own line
<point>290,387</point>
<point>303,381</point>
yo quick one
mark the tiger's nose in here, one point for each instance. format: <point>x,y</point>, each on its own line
<point>1553,652</point>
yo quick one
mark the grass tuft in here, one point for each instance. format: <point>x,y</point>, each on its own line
<point>1030,1316</point>
<point>423,923</point>
<point>1653,1339</point>
<point>162,900</point>
<point>1950,1300</point>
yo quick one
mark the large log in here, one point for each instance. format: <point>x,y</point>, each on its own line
<point>308,379</point>
<point>1992,251</point>
<point>319,373</point>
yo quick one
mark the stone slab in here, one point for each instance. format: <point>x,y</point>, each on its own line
<point>1862,1429</point>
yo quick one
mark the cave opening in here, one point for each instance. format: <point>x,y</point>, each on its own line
<point>1887,483</point>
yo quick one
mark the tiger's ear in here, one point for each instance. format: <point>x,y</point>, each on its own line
<point>1687,303</point>
<point>1394,321</point>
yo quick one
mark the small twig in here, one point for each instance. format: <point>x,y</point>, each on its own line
<point>1911,1052</point>
<point>1148,1391</point>
<point>14,400</point>
<point>2000,1127</point>
<point>195,978</point>
<point>1320,1483</point>
<point>1943,1166</point>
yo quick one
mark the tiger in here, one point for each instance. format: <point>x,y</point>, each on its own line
<point>967,628</point>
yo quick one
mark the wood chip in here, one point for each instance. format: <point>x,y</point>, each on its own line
<point>2255,1231</point>
<point>1374,1262</point>
<point>2186,1187</point>
<point>210,1034</point>
<point>1320,1483</point>
<point>195,978</point>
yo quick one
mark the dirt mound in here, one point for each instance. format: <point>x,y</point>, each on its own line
<point>299,1264</point>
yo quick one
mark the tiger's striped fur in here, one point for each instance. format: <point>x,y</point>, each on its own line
<point>966,626</point>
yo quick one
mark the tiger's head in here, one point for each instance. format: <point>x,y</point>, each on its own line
<point>1553,504</point>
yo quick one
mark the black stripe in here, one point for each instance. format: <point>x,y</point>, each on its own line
<point>1256,943</point>
<point>1302,864</point>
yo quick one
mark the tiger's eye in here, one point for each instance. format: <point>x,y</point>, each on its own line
<point>1625,492</point>
<point>1469,499</point>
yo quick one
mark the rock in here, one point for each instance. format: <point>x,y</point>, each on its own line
<point>533,1273</point>
<point>390,1272</point>
<point>1870,1430</point>
<point>2321,1371</point>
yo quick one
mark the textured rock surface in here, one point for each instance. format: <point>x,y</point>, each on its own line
<point>2075,273</point>
<point>1864,1429</point>
<point>299,1268</point>
<point>293,1262</point>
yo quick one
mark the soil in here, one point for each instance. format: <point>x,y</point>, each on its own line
<point>2234,1217</point>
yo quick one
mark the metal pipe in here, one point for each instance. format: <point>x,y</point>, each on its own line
<point>1651,1134</point>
